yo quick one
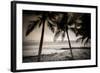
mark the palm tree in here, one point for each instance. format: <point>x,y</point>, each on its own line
<point>83,28</point>
<point>81,22</point>
<point>42,19</point>
<point>62,28</point>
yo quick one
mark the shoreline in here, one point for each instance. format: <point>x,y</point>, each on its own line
<point>79,54</point>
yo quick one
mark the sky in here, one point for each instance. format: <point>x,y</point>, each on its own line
<point>36,34</point>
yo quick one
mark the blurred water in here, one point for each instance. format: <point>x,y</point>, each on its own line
<point>48,48</point>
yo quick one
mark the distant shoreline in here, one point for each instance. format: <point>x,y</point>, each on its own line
<point>37,42</point>
<point>64,48</point>
<point>77,48</point>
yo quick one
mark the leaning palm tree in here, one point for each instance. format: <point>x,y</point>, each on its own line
<point>62,28</point>
<point>43,18</point>
<point>81,27</point>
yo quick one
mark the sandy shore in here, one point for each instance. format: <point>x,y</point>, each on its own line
<point>79,54</point>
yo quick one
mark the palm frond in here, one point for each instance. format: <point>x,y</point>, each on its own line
<point>87,41</point>
<point>79,39</point>
<point>62,24</point>
<point>51,26</point>
<point>40,23</point>
<point>73,29</point>
<point>63,35</point>
<point>31,27</point>
<point>57,34</point>
<point>83,38</point>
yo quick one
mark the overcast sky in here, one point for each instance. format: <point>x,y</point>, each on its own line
<point>36,34</point>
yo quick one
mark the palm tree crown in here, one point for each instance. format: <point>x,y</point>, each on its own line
<point>83,27</point>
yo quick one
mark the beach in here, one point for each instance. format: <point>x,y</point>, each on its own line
<point>56,52</point>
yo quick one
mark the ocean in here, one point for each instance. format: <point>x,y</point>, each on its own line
<point>31,48</point>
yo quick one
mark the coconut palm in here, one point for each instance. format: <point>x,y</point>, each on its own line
<point>43,18</point>
<point>83,29</point>
<point>62,29</point>
<point>79,23</point>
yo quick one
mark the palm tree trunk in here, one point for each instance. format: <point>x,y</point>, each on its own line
<point>41,42</point>
<point>70,45</point>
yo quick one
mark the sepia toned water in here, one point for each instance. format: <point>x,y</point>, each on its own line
<point>31,49</point>
<point>55,51</point>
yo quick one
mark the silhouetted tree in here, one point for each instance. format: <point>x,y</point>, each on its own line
<point>83,27</point>
<point>42,19</point>
<point>62,29</point>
